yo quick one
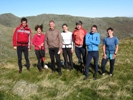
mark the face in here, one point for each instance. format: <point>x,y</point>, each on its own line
<point>51,25</point>
<point>65,28</point>
<point>39,30</point>
<point>78,26</point>
<point>24,23</point>
<point>110,32</point>
<point>93,29</point>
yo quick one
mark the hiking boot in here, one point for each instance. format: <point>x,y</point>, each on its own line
<point>111,75</point>
<point>60,73</point>
<point>86,77</point>
<point>20,71</point>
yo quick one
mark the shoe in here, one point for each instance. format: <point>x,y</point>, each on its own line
<point>103,74</point>
<point>28,68</point>
<point>111,75</point>
<point>40,70</point>
<point>86,77</point>
<point>60,73</point>
<point>20,71</point>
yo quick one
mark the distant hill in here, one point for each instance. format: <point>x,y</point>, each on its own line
<point>123,26</point>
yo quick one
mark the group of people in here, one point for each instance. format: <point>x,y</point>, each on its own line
<point>65,42</point>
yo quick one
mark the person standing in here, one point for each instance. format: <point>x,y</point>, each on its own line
<point>92,41</point>
<point>38,42</point>
<point>67,46</point>
<point>22,43</point>
<point>110,50</point>
<point>79,41</point>
<point>53,43</point>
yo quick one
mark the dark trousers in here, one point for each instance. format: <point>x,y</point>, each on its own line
<point>23,49</point>
<point>103,63</point>
<point>53,52</point>
<point>67,52</point>
<point>95,56</point>
<point>81,51</point>
<point>40,57</point>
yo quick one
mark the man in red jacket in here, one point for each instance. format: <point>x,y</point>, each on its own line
<point>79,41</point>
<point>22,43</point>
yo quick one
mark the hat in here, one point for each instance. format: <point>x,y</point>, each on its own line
<point>79,23</point>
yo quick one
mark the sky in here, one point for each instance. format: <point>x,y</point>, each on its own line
<point>83,8</point>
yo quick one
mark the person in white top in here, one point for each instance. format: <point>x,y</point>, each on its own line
<point>67,46</point>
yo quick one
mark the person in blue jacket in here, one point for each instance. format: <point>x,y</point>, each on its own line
<point>110,49</point>
<point>92,41</point>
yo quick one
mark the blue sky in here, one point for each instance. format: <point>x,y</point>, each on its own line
<point>85,8</point>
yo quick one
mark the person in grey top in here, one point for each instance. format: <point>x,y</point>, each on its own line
<point>53,44</point>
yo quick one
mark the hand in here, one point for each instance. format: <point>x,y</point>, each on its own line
<point>15,48</point>
<point>72,50</point>
<point>42,44</point>
<point>114,56</point>
<point>46,51</point>
<point>29,49</point>
<point>104,56</point>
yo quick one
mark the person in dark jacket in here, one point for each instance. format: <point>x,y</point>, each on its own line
<point>22,42</point>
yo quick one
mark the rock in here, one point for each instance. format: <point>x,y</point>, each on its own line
<point>24,89</point>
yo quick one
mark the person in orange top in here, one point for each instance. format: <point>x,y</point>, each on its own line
<point>79,41</point>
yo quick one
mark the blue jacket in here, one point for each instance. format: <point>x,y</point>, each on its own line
<point>92,41</point>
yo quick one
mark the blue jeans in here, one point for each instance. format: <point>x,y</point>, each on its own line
<point>95,56</point>
<point>81,51</point>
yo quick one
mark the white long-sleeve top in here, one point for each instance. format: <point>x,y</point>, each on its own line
<point>67,39</point>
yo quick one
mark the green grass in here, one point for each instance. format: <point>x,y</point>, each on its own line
<point>70,86</point>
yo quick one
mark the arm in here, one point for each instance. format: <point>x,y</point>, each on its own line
<point>97,41</point>
<point>46,43</point>
<point>14,38</point>
<point>30,40</point>
<point>60,41</point>
<point>87,40</point>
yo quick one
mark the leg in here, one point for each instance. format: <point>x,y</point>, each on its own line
<point>51,53</point>
<point>37,52</point>
<point>103,63</point>
<point>19,54</point>
<point>88,60</point>
<point>25,50</point>
<point>112,62</point>
<point>42,58</point>
<point>65,57</point>
<point>83,51</point>
<point>70,57</point>
<point>78,54</point>
<point>95,57</point>
<point>58,60</point>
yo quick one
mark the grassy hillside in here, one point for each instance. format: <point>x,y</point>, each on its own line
<point>70,85</point>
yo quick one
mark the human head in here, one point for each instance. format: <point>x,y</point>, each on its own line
<point>65,27</point>
<point>79,24</point>
<point>51,24</point>
<point>24,21</point>
<point>39,28</point>
<point>110,31</point>
<point>94,29</point>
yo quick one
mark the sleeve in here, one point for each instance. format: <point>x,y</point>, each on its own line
<point>46,42</point>
<point>116,41</point>
<point>14,38</point>
<point>60,40</point>
<point>104,41</point>
<point>96,41</point>
<point>87,40</point>
<point>33,40</point>
<point>30,40</point>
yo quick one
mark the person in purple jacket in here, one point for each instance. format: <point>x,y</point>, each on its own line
<point>110,49</point>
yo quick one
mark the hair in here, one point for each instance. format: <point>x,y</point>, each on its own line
<point>23,19</point>
<point>110,29</point>
<point>51,21</point>
<point>79,23</point>
<point>39,26</point>
<point>94,26</point>
<point>65,25</point>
